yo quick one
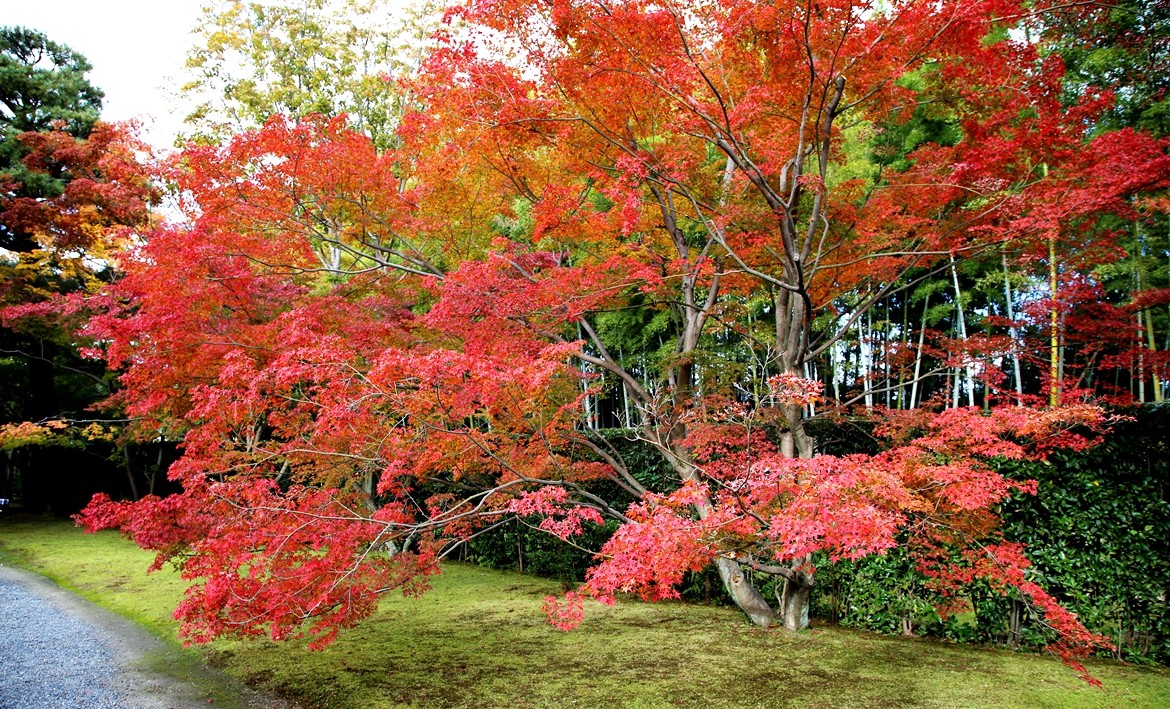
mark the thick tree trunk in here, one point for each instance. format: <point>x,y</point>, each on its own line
<point>735,581</point>
<point>794,603</point>
<point>744,594</point>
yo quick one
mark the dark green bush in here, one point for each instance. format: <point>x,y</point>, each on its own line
<point>1098,534</point>
<point>518,545</point>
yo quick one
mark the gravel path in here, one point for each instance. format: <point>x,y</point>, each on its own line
<point>58,651</point>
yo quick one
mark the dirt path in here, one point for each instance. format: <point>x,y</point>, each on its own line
<point>58,650</point>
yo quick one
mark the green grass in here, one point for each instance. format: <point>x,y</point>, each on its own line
<point>479,639</point>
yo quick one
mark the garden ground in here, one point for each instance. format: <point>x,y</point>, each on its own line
<point>479,639</point>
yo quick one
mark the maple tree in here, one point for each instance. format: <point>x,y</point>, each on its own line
<point>374,356</point>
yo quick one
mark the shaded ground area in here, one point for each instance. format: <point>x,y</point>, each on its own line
<point>57,650</point>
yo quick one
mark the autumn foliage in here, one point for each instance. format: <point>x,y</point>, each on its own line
<point>74,235</point>
<point>373,356</point>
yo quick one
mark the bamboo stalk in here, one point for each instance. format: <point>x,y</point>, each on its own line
<point>1054,342</point>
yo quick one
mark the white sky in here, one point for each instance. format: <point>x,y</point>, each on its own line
<point>137,48</point>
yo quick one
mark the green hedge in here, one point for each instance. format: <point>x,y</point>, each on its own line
<point>1098,533</point>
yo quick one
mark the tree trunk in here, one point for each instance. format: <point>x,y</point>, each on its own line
<point>865,334</point>
<point>1152,344</point>
<point>794,603</point>
<point>745,595</point>
<point>1054,358</point>
<point>737,584</point>
<point>918,355</point>
<point>1013,331</point>
<point>1141,368</point>
<point>129,472</point>
<point>962,325</point>
<point>905,336</point>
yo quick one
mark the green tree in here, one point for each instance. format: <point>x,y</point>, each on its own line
<point>253,60</point>
<point>42,86</point>
<point>1126,49</point>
